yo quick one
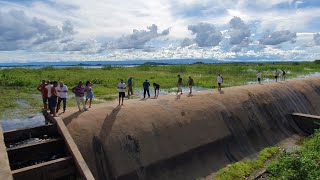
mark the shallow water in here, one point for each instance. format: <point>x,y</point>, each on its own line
<point>11,124</point>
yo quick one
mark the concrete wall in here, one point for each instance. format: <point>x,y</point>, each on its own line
<point>181,137</point>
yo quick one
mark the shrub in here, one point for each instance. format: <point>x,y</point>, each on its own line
<point>303,164</point>
<point>241,170</point>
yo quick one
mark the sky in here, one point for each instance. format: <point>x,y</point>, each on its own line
<point>97,30</point>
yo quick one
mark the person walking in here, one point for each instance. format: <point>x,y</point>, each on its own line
<point>54,98</point>
<point>44,93</point>
<point>130,86</point>
<point>122,90</point>
<point>156,89</point>
<point>259,77</point>
<point>79,94</point>
<point>146,85</point>
<point>89,95</point>
<point>190,84</point>
<point>179,84</point>
<point>276,75</point>
<point>62,91</point>
<point>283,75</point>
<point>219,81</point>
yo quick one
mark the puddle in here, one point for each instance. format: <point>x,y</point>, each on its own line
<point>171,91</point>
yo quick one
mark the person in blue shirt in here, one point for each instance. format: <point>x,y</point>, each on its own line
<point>130,85</point>
<point>146,85</point>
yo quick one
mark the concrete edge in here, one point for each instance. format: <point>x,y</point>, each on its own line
<point>79,161</point>
<point>5,170</point>
<point>306,115</point>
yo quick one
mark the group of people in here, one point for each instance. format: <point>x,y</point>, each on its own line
<point>122,89</point>
<point>53,93</point>
<point>277,74</point>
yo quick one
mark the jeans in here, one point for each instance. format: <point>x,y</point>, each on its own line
<point>146,91</point>
<point>64,101</point>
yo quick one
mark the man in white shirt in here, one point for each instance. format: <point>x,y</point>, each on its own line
<point>259,77</point>
<point>122,91</point>
<point>276,75</point>
<point>219,81</point>
<point>49,86</point>
<point>63,91</point>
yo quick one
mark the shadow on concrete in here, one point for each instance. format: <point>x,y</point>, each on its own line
<point>68,119</point>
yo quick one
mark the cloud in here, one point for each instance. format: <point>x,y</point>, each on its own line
<point>139,38</point>
<point>206,34</point>
<point>316,39</point>
<point>18,31</point>
<point>239,31</point>
<point>278,37</point>
<point>239,34</point>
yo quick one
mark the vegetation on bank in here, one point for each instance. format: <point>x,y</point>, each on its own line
<point>20,83</point>
<point>303,164</point>
<point>242,169</point>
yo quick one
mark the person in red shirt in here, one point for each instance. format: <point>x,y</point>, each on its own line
<point>44,93</point>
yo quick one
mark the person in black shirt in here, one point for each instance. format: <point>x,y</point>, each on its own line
<point>179,84</point>
<point>156,89</point>
<point>146,85</point>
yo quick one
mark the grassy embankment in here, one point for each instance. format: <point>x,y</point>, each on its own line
<point>303,164</point>
<point>20,83</point>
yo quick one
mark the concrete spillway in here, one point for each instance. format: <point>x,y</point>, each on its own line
<point>187,137</point>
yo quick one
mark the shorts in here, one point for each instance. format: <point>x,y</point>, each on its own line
<point>89,95</point>
<point>180,87</point>
<point>276,77</point>
<point>219,84</point>
<point>190,86</point>
<point>259,79</point>
<point>122,94</point>
<point>44,100</point>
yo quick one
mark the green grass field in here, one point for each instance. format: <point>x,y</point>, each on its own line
<point>21,83</point>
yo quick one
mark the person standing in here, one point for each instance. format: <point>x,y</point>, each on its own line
<point>49,87</point>
<point>130,86</point>
<point>89,95</point>
<point>156,89</point>
<point>62,90</point>
<point>122,90</point>
<point>219,81</point>
<point>259,77</point>
<point>44,93</point>
<point>190,84</point>
<point>276,75</point>
<point>179,84</point>
<point>283,75</point>
<point>146,85</point>
<point>79,94</point>
<point>54,98</point>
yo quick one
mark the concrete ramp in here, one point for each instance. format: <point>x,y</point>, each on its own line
<point>187,137</point>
